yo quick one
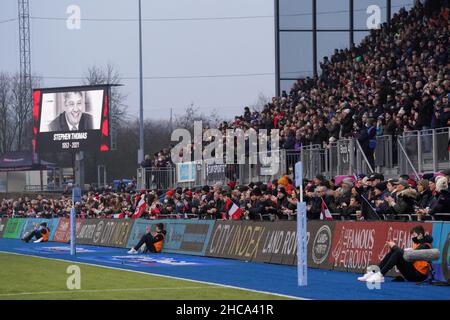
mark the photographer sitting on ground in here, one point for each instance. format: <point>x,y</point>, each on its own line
<point>42,233</point>
<point>154,242</point>
<point>411,271</point>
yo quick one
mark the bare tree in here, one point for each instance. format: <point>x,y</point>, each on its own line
<point>21,103</point>
<point>191,114</point>
<point>109,75</point>
<point>16,103</point>
<point>260,102</point>
<point>215,119</point>
<point>7,131</point>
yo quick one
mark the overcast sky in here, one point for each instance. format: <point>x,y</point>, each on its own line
<point>171,48</point>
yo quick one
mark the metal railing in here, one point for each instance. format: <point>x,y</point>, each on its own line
<point>424,151</point>
<point>412,153</point>
<point>156,178</point>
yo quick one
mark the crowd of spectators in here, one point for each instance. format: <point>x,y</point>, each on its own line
<point>161,159</point>
<point>396,80</point>
<point>354,198</point>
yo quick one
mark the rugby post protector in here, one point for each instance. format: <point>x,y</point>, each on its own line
<point>76,197</point>
<point>302,267</point>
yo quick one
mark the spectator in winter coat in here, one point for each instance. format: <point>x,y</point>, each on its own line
<point>442,205</point>
<point>405,202</point>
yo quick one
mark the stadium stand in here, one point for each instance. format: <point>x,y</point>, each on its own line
<point>395,81</point>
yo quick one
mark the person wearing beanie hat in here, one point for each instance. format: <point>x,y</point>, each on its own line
<point>381,186</point>
<point>412,183</point>
<point>283,181</point>
<point>380,194</point>
<point>441,184</point>
<point>282,190</point>
<point>282,201</point>
<point>257,192</point>
<point>169,202</point>
<point>432,187</point>
<point>243,189</point>
<point>254,207</point>
<point>441,204</point>
<point>427,176</point>
<point>170,193</point>
<point>348,183</point>
<point>231,184</point>
<point>318,180</point>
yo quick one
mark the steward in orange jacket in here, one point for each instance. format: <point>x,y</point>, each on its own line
<point>42,233</point>
<point>416,271</point>
<point>154,242</point>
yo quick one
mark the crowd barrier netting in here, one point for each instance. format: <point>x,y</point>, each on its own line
<point>332,245</point>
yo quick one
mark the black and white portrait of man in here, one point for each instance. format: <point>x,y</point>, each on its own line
<point>73,118</point>
<point>71,111</point>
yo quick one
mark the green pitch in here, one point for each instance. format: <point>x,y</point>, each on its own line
<point>24,277</point>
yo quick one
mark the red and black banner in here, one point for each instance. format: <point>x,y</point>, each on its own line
<point>357,245</point>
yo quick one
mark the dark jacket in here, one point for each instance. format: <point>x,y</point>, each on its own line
<point>255,208</point>
<point>364,137</point>
<point>406,200</point>
<point>60,123</point>
<point>424,198</point>
<point>442,205</point>
<point>316,206</point>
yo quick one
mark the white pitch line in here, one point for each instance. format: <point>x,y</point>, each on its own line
<point>102,290</point>
<point>164,276</point>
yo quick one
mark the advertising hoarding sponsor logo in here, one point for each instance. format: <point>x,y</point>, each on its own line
<point>13,228</point>
<point>356,245</point>
<point>30,223</point>
<point>322,244</point>
<point>441,241</point>
<point>274,242</point>
<point>87,231</point>
<point>188,237</point>
<point>105,232</point>
<point>320,239</point>
<point>62,232</point>
<point>215,172</point>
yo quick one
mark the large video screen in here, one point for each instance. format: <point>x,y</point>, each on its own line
<point>71,119</point>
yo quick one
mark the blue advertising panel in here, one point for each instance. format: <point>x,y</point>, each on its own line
<point>441,240</point>
<point>29,224</point>
<point>183,236</point>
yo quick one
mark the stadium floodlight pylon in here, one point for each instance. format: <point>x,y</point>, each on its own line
<point>25,56</point>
